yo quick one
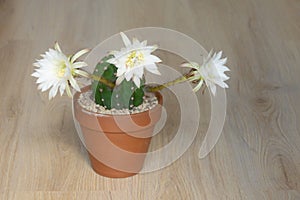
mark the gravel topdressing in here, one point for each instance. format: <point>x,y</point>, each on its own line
<point>150,101</point>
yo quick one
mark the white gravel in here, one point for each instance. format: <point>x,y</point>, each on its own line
<point>150,101</point>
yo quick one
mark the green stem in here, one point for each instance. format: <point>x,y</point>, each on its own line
<point>180,79</point>
<point>170,83</point>
<point>102,80</point>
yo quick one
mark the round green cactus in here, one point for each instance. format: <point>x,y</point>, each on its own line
<point>125,95</point>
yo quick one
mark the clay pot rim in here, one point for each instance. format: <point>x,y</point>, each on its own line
<point>87,88</point>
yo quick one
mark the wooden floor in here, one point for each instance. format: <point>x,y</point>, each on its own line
<point>258,154</point>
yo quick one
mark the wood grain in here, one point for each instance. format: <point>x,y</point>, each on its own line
<point>258,154</point>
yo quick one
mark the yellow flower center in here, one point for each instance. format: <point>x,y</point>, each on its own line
<point>62,70</point>
<point>134,58</point>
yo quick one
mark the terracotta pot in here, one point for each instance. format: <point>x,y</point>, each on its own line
<point>117,144</point>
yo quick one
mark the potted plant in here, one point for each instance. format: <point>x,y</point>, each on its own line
<point>118,112</point>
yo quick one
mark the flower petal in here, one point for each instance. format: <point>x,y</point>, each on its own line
<point>69,93</point>
<point>154,58</point>
<point>78,54</point>
<point>128,75</point>
<point>135,41</point>
<point>35,74</point>
<point>53,91</point>
<point>112,61</point>
<point>190,65</point>
<point>144,43</point>
<point>139,72</point>
<point>119,80</point>
<point>121,70</point>
<point>57,47</point>
<point>153,69</point>
<point>74,84</point>
<point>82,73</point>
<point>62,88</point>
<point>137,81</point>
<point>125,39</point>
<point>218,56</point>
<point>77,65</point>
<point>198,86</point>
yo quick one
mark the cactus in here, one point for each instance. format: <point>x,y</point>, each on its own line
<point>125,95</point>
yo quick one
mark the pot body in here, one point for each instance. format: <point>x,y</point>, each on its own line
<point>117,144</point>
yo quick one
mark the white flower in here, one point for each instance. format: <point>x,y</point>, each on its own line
<point>56,70</point>
<point>211,72</point>
<point>133,59</point>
